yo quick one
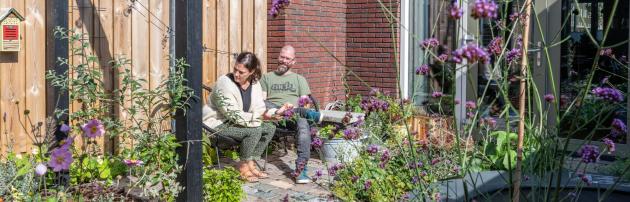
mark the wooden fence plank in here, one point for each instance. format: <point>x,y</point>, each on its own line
<point>223,30</point>
<point>35,23</point>
<point>122,50</point>
<point>260,30</point>
<point>247,15</point>
<point>5,64</point>
<point>103,23</point>
<point>158,50</point>
<point>209,22</point>
<point>140,46</point>
<point>235,31</point>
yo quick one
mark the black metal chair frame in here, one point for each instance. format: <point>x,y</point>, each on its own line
<point>223,142</point>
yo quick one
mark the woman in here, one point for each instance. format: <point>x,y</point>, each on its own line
<point>236,110</point>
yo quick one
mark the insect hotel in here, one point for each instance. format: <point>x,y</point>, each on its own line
<point>10,30</point>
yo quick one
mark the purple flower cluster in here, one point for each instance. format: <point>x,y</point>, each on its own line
<point>471,105</point>
<point>589,153</point>
<point>437,94</point>
<point>422,69</point>
<point>332,170</point>
<point>371,103</point>
<point>455,12</point>
<point>133,162</point>
<point>367,184</point>
<point>288,113</point>
<point>372,149</point>
<point>610,144</point>
<point>412,165</point>
<point>618,128</point>
<point>304,100</point>
<point>472,53</point>
<point>513,55</point>
<point>277,5</point>
<point>442,58</point>
<point>317,143</point>
<point>318,175</point>
<point>485,9</point>
<point>429,43</point>
<point>384,158</point>
<point>351,133</point>
<point>549,98</point>
<point>607,52</point>
<point>610,94</point>
<point>496,46</point>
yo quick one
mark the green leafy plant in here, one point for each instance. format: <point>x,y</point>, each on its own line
<point>502,151</point>
<point>222,185</point>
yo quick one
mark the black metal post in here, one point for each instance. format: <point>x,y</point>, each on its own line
<point>57,16</point>
<point>188,125</point>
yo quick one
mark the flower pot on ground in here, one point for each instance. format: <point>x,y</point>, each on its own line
<point>340,150</point>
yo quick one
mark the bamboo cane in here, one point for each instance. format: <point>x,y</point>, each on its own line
<point>521,104</point>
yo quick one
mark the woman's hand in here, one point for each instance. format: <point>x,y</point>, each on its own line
<point>284,108</point>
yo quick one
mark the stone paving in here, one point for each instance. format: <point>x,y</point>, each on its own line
<point>280,185</point>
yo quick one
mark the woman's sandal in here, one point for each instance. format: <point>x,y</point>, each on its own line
<point>250,177</point>
<point>260,175</point>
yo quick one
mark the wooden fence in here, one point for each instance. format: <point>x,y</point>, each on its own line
<point>137,30</point>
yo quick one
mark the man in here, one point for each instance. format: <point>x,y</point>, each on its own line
<point>284,87</point>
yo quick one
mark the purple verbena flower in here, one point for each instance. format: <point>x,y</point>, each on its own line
<point>60,159</point>
<point>318,174</point>
<point>607,52</point>
<point>385,156</point>
<point>422,69</point>
<point>472,53</point>
<point>277,5</point>
<point>367,184</point>
<point>317,143</point>
<point>442,58</point>
<point>549,98</point>
<point>609,94</point>
<point>304,100</point>
<point>435,161</point>
<point>354,178</point>
<point>610,144</point>
<point>351,133</point>
<point>455,12</point>
<point>618,128</point>
<point>436,94</point>
<point>513,55</point>
<point>288,114</point>
<point>471,104</point>
<point>429,43</point>
<point>484,9</point>
<point>496,45</point>
<point>589,153</point>
<point>360,121</point>
<point>93,128</point>
<point>372,149</point>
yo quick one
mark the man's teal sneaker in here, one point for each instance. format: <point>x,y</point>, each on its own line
<point>302,178</point>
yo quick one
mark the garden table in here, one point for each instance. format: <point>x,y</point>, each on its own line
<point>337,116</point>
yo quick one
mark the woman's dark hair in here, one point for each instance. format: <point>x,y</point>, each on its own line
<point>251,62</point>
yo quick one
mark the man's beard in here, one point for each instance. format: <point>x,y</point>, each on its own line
<point>282,69</point>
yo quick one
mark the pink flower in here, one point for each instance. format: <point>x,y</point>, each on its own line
<point>133,162</point>
<point>429,43</point>
<point>93,128</point>
<point>472,53</point>
<point>60,159</point>
<point>496,46</point>
<point>607,52</point>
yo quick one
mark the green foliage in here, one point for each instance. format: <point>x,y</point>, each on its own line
<point>17,179</point>
<point>222,185</point>
<point>502,152</point>
<point>88,168</point>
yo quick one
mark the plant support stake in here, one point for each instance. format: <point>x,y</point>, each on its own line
<point>521,104</point>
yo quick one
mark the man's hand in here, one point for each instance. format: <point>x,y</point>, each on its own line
<point>284,108</point>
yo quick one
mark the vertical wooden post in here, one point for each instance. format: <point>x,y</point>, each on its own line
<point>57,16</point>
<point>521,105</point>
<point>188,45</point>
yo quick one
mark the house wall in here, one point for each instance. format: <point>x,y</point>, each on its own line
<point>356,32</point>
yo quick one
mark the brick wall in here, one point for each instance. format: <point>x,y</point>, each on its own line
<point>355,31</point>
